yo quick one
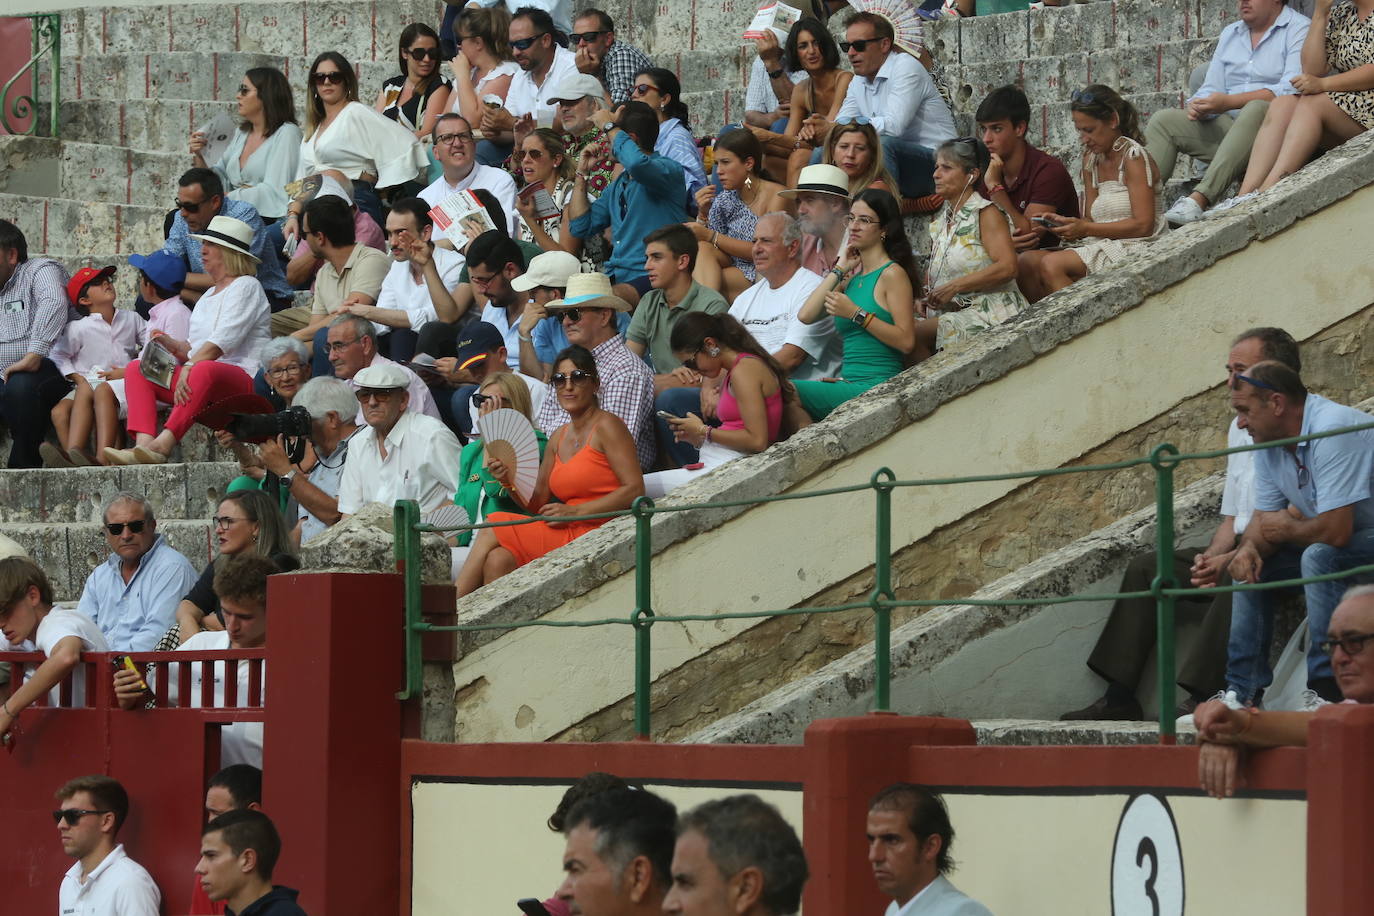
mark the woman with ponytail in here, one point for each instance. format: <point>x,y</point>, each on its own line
<point>752,394</point>
<point>869,295</point>
<point>1121,195</point>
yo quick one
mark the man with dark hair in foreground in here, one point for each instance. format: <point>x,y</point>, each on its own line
<point>238,851</point>
<point>619,854</point>
<point>909,840</point>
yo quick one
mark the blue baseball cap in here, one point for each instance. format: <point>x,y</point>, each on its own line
<point>166,270</point>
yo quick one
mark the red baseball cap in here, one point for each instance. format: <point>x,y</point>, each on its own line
<point>83,278</point>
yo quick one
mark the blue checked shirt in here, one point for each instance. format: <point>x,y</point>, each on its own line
<point>618,69</point>
<point>270,275</point>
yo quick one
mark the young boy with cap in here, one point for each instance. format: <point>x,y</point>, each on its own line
<point>160,279</point>
<point>92,352</point>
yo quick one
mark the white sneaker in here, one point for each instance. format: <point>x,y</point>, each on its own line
<point>1311,701</point>
<point>1185,210</point>
<point>1229,697</point>
<point>1230,202</point>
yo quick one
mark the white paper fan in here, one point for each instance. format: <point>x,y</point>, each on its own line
<point>508,436</point>
<point>907,27</point>
<point>447,516</point>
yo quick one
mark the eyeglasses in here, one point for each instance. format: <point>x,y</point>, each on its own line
<point>284,371</point>
<point>586,38</point>
<point>1082,97</point>
<point>644,89</point>
<point>189,207</point>
<point>691,361</point>
<point>523,44</point>
<point>321,77</point>
<point>381,395</point>
<point>970,145</point>
<point>117,528</point>
<point>244,90</point>
<point>535,154</point>
<point>861,220</point>
<point>72,815</point>
<point>446,139</point>
<point>559,379</point>
<point>225,521</point>
<point>1352,643</point>
<point>858,44</point>
<point>337,345</point>
<point>422,53</point>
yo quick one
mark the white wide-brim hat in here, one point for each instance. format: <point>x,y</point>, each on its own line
<point>227,232</point>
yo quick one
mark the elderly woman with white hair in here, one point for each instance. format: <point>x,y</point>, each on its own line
<point>286,368</point>
<point>229,328</point>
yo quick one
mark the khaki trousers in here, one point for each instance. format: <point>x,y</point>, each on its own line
<point>1224,142</point>
<point>288,321</point>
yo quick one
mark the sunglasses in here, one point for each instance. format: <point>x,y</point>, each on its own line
<point>691,361</point>
<point>422,53</point>
<point>335,77</point>
<point>524,43</point>
<point>535,154</point>
<point>586,38</point>
<point>1352,645</point>
<point>644,89</point>
<point>559,379</point>
<point>573,315</point>
<point>1253,381</point>
<point>478,399</point>
<point>72,815</point>
<point>446,139</point>
<point>189,207</point>
<point>375,394</point>
<point>1082,97</point>
<point>244,90</point>
<point>117,528</point>
<point>858,44</point>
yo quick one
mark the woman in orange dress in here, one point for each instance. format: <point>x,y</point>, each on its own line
<point>589,467</point>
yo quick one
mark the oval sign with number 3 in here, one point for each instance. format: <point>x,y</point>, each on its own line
<point>1147,860</point>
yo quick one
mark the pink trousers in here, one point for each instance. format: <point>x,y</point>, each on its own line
<point>211,381</point>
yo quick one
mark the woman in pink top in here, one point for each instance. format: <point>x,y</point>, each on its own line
<point>752,391</point>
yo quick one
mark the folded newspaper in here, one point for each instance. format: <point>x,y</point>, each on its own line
<point>157,364</point>
<point>776,16</point>
<point>462,218</point>
<point>218,131</point>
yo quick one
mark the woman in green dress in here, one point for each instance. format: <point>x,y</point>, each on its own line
<point>868,294</point>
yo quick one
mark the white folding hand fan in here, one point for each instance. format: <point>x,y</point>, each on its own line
<point>508,437</point>
<point>907,27</point>
<point>447,516</point>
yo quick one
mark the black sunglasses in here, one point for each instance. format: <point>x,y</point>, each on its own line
<point>117,528</point>
<point>578,38</point>
<point>72,815</point>
<point>422,53</point>
<point>859,44</point>
<point>478,399</point>
<point>1353,644</point>
<point>332,76</point>
<point>524,43</point>
<point>573,315</point>
<point>190,207</point>
<point>559,379</point>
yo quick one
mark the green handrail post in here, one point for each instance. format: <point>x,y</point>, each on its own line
<point>405,536</point>
<point>882,590</point>
<point>47,37</point>
<point>1163,458</point>
<point>643,619</point>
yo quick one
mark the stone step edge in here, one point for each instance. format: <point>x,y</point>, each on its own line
<point>1052,732</point>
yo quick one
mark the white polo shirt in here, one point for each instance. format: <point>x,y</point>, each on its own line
<point>240,742</point>
<point>118,886</point>
<point>400,291</point>
<point>57,625</point>
<point>421,464</point>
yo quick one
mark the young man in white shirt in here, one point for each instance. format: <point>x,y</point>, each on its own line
<point>29,622</point>
<point>909,838</point>
<point>104,881</point>
<point>456,149</point>
<point>544,64</point>
<point>768,309</point>
<point>412,293</point>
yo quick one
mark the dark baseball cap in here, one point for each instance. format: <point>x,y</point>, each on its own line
<point>478,340</point>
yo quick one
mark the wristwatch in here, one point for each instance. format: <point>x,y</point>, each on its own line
<point>775,74</point>
<point>859,317</point>
<point>289,478</point>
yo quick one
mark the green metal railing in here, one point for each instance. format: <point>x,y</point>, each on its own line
<point>1163,460</point>
<point>47,42</point>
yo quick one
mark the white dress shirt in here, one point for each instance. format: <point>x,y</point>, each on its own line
<point>771,316</point>
<point>237,319</point>
<point>400,291</point>
<point>900,101</point>
<point>92,342</point>
<point>1238,496</point>
<point>939,898</point>
<point>421,463</point>
<point>497,181</point>
<point>118,886</point>
<point>525,98</point>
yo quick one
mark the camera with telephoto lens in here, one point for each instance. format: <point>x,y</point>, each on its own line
<point>292,423</point>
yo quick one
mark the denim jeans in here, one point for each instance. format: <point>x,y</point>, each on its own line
<point>679,402</point>
<point>1252,613</point>
<point>25,403</point>
<point>493,154</point>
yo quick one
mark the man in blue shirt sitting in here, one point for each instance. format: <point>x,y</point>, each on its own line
<point>200,198</point>
<point>133,595</point>
<point>1314,515</point>
<point>647,195</point>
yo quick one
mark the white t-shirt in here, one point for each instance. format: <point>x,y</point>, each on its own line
<point>57,625</point>
<point>1238,496</point>
<point>771,316</point>
<point>240,742</point>
<point>236,319</point>
<point>400,291</point>
<point>118,886</point>
<point>485,177</point>
<point>538,392</point>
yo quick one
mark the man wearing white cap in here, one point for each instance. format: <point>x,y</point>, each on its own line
<point>401,455</point>
<point>588,313</point>
<point>822,194</point>
<point>456,149</point>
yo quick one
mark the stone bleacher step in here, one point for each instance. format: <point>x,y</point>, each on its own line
<point>183,490</point>
<point>100,172</point>
<point>65,228</point>
<point>1042,732</point>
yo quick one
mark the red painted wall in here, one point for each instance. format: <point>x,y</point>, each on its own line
<point>15,48</point>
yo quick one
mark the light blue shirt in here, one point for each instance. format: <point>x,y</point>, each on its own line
<point>1236,67</point>
<point>550,338</point>
<point>900,101</point>
<point>1323,474</point>
<point>270,275</point>
<point>134,616</point>
<point>675,141</point>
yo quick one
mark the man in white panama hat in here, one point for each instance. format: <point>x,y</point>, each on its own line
<point>822,194</point>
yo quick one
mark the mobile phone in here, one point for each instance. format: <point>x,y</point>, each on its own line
<point>122,661</point>
<point>667,416</point>
<point>1042,221</point>
<point>532,907</point>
